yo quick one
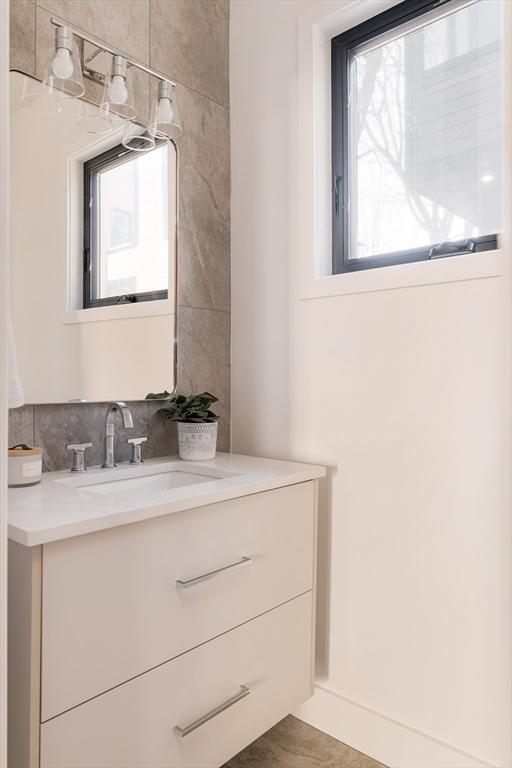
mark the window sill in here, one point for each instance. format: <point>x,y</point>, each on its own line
<point>472,266</point>
<point>119,312</point>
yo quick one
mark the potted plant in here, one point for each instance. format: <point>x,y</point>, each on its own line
<point>197,425</point>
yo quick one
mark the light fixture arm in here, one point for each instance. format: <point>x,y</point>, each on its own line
<point>116,52</point>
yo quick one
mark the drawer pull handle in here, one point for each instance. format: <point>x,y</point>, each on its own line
<point>184,583</point>
<point>184,730</point>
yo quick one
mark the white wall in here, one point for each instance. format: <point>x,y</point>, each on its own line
<point>402,394</point>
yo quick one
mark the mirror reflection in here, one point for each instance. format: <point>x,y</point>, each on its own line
<point>93,252</point>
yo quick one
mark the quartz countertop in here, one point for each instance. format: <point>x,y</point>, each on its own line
<point>57,509</point>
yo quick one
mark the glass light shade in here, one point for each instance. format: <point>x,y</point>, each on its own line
<point>137,138</point>
<point>94,119</point>
<point>44,99</point>
<point>166,122</point>
<point>118,93</point>
<point>64,73</point>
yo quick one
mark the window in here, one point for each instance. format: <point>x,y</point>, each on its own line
<point>126,229</point>
<point>417,134</point>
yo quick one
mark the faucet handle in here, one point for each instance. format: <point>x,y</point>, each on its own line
<point>78,456</point>
<point>136,443</point>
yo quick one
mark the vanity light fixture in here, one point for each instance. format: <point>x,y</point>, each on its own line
<point>70,63</point>
<point>64,72</point>
<point>137,138</point>
<point>93,119</point>
<point>166,120</point>
<point>118,92</point>
<point>36,96</point>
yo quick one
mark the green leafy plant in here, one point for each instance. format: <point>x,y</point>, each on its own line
<point>194,409</point>
<point>159,396</point>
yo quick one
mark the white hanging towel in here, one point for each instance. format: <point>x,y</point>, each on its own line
<point>15,393</point>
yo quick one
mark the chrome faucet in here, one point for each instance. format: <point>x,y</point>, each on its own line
<point>109,430</point>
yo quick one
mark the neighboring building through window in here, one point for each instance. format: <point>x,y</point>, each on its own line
<point>417,134</point>
<point>126,229</point>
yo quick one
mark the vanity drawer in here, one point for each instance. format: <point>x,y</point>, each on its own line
<point>133,725</point>
<point>119,602</point>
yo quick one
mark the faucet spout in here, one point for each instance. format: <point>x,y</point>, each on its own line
<point>112,410</point>
<point>125,413</point>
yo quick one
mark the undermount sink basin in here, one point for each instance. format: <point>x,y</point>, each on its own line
<point>127,482</point>
<point>162,481</point>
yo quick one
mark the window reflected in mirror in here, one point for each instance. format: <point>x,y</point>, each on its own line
<point>126,226</point>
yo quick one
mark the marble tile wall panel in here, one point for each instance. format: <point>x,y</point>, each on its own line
<point>204,204</point>
<point>190,39</point>
<point>22,32</point>
<point>163,437</point>
<point>56,426</point>
<point>189,42</point>
<point>21,426</point>
<point>204,360</point>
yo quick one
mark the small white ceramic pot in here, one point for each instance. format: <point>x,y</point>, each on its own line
<point>197,442</point>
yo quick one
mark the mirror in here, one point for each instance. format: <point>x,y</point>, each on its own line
<point>93,252</point>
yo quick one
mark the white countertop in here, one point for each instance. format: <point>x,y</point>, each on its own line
<point>56,509</point>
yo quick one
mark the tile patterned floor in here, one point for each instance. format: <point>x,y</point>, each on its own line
<point>293,744</point>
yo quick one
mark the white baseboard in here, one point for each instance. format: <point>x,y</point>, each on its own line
<point>392,743</point>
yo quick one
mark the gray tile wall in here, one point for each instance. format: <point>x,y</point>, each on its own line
<point>189,41</point>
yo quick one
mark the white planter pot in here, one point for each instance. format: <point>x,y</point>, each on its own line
<point>197,442</point>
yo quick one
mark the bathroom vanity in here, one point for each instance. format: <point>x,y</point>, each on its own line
<point>161,615</point>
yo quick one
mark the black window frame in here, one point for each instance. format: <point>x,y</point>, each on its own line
<point>91,169</point>
<point>340,49</point>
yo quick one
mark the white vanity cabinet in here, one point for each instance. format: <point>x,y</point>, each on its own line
<point>174,641</point>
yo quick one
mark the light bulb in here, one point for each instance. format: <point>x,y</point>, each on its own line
<point>62,65</point>
<point>164,112</point>
<point>118,92</point>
